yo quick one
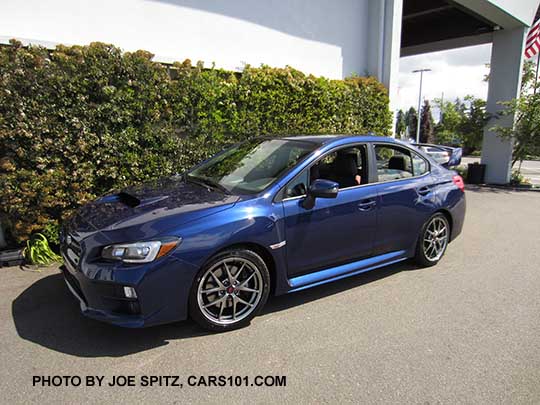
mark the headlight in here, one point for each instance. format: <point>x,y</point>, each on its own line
<point>140,252</point>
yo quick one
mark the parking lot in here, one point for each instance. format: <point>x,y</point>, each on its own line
<point>466,331</point>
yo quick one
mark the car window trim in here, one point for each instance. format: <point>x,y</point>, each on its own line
<point>372,144</point>
<point>360,185</point>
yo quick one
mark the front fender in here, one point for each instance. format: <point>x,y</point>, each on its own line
<point>253,222</point>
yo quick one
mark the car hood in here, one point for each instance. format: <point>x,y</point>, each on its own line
<point>169,201</point>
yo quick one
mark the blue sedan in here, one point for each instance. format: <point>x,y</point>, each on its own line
<point>267,216</point>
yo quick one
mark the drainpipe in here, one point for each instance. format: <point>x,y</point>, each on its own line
<point>382,28</point>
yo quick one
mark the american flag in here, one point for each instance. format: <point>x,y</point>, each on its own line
<point>532,46</point>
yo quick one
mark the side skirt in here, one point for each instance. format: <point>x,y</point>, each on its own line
<point>345,270</point>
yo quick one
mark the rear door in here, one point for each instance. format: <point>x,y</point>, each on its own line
<point>407,196</point>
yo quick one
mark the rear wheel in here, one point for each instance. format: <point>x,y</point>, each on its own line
<point>230,290</point>
<point>433,240</point>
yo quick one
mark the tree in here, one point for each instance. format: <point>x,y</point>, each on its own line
<point>447,131</point>
<point>400,124</point>
<point>528,77</point>
<point>526,130</point>
<point>526,112</point>
<point>411,121</point>
<point>426,124</point>
<point>463,123</point>
<point>472,128</point>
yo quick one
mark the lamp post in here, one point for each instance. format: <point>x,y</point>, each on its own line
<point>419,102</point>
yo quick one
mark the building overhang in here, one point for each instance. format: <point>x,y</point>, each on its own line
<point>436,25</point>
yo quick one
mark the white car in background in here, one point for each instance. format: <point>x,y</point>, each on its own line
<point>440,156</point>
<point>444,155</point>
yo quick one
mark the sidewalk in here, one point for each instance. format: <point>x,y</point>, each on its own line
<point>530,169</point>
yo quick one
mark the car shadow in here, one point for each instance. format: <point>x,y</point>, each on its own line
<point>284,302</point>
<point>46,314</point>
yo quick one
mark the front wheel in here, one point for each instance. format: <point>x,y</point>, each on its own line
<point>230,290</point>
<point>432,241</point>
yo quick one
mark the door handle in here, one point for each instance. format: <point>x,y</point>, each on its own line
<point>423,190</point>
<point>367,205</point>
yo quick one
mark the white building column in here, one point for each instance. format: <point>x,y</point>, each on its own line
<point>504,85</point>
<point>384,45</point>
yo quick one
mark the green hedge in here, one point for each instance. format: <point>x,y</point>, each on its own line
<point>80,120</point>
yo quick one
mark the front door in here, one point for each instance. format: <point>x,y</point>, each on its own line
<point>334,231</point>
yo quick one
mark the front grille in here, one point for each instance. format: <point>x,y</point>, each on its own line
<point>75,246</point>
<point>73,249</point>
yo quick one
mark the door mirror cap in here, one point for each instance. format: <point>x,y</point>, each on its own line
<point>320,188</point>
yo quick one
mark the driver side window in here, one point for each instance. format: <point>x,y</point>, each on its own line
<point>346,166</point>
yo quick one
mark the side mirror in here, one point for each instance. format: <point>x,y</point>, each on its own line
<point>320,188</point>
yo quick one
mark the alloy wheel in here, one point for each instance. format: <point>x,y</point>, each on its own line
<point>435,238</point>
<point>230,290</point>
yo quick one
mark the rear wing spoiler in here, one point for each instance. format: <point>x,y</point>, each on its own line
<point>454,154</point>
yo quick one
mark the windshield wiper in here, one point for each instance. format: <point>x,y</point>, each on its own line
<point>208,183</point>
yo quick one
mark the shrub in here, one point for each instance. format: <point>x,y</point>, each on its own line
<point>518,179</point>
<point>81,120</point>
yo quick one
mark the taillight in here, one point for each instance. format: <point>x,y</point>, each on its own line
<point>458,181</point>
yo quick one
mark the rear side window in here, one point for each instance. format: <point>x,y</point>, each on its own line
<point>393,163</point>
<point>420,166</point>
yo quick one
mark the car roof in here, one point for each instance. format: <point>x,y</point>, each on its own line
<point>325,139</point>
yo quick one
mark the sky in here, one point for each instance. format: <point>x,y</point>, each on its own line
<point>456,73</point>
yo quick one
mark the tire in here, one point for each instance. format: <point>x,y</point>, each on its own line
<point>432,241</point>
<point>229,291</point>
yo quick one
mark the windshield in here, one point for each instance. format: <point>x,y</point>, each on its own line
<point>252,166</point>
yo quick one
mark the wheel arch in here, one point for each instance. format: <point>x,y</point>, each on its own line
<point>449,218</point>
<point>261,251</point>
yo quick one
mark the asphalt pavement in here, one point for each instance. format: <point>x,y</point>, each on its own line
<point>465,331</point>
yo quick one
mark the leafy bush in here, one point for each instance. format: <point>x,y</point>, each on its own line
<point>518,179</point>
<point>81,120</point>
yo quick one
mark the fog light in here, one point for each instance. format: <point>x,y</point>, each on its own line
<point>129,292</point>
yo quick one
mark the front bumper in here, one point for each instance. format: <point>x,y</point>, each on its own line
<point>162,290</point>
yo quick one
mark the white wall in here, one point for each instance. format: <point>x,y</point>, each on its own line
<point>322,37</point>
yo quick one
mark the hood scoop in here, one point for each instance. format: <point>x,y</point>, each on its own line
<point>170,202</point>
<point>123,197</point>
<point>128,199</point>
